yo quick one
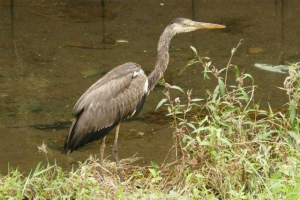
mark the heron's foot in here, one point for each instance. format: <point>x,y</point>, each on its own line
<point>120,174</point>
<point>115,153</point>
<point>102,147</point>
<point>101,168</point>
<point>101,171</point>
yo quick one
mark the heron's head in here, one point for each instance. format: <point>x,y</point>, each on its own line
<point>182,25</point>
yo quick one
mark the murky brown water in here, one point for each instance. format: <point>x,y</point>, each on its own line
<point>45,48</point>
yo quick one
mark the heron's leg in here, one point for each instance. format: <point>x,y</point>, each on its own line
<point>102,147</point>
<point>115,152</point>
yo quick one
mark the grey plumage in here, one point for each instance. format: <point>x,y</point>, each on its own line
<point>177,20</point>
<point>115,97</point>
<point>121,93</point>
<point>162,60</point>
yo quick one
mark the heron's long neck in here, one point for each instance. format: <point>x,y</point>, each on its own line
<point>162,58</point>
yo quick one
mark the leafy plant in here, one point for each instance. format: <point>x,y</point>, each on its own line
<point>226,145</point>
<point>238,149</point>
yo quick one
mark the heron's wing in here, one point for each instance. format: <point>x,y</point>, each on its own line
<point>116,96</point>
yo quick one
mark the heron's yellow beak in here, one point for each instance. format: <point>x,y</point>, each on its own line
<point>201,25</point>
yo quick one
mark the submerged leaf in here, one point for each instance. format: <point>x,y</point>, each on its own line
<point>91,72</point>
<point>254,50</point>
<point>271,68</point>
<point>122,41</point>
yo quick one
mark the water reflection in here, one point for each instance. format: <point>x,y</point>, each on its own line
<point>11,7</point>
<point>45,48</point>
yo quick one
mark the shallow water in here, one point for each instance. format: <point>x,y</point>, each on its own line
<point>46,48</point>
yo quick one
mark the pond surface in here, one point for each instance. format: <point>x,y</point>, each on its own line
<point>50,51</point>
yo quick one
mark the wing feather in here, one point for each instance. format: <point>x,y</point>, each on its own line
<point>116,96</point>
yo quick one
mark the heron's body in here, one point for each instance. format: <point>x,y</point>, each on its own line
<point>118,95</point>
<point>121,93</point>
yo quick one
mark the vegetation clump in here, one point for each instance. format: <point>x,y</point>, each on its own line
<point>235,151</point>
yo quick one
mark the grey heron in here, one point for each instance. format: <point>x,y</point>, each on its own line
<point>121,94</point>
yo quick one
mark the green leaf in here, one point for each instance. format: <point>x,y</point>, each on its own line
<point>194,49</point>
<point>221,86</point>
<point>173,194</point>
<point>153,172</point>
<point>43,171</point>
<point>196,100</point>
<point>271,111</point>
<point>37,169</point>
<point>215,94</point>
<point>245,95</point>
<point>191,125</point>
<point>221,70</point>
<point>292,114</point>
<point>208,64</point>
<point>248,75</point>
<point>121,193</point>
<point>230,110</point>
<point>205,143</point>
<point>225,141</point>
<point>188,178</point>
<point>155,165</point>
<point>237,71</point>
<point>190,62</point>
<point>294,135</point>
<point>264,135</point>
<point>212,108</point>
<point>177,88</point>
<point>160,103</point>
<point>170,110</point>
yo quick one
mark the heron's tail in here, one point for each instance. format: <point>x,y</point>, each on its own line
<point>77,139</point>
<point>69,138</point>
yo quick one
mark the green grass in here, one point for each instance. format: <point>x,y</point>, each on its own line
<point>236,150</point>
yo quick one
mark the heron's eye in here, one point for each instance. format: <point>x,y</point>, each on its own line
<point>185,24</point>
